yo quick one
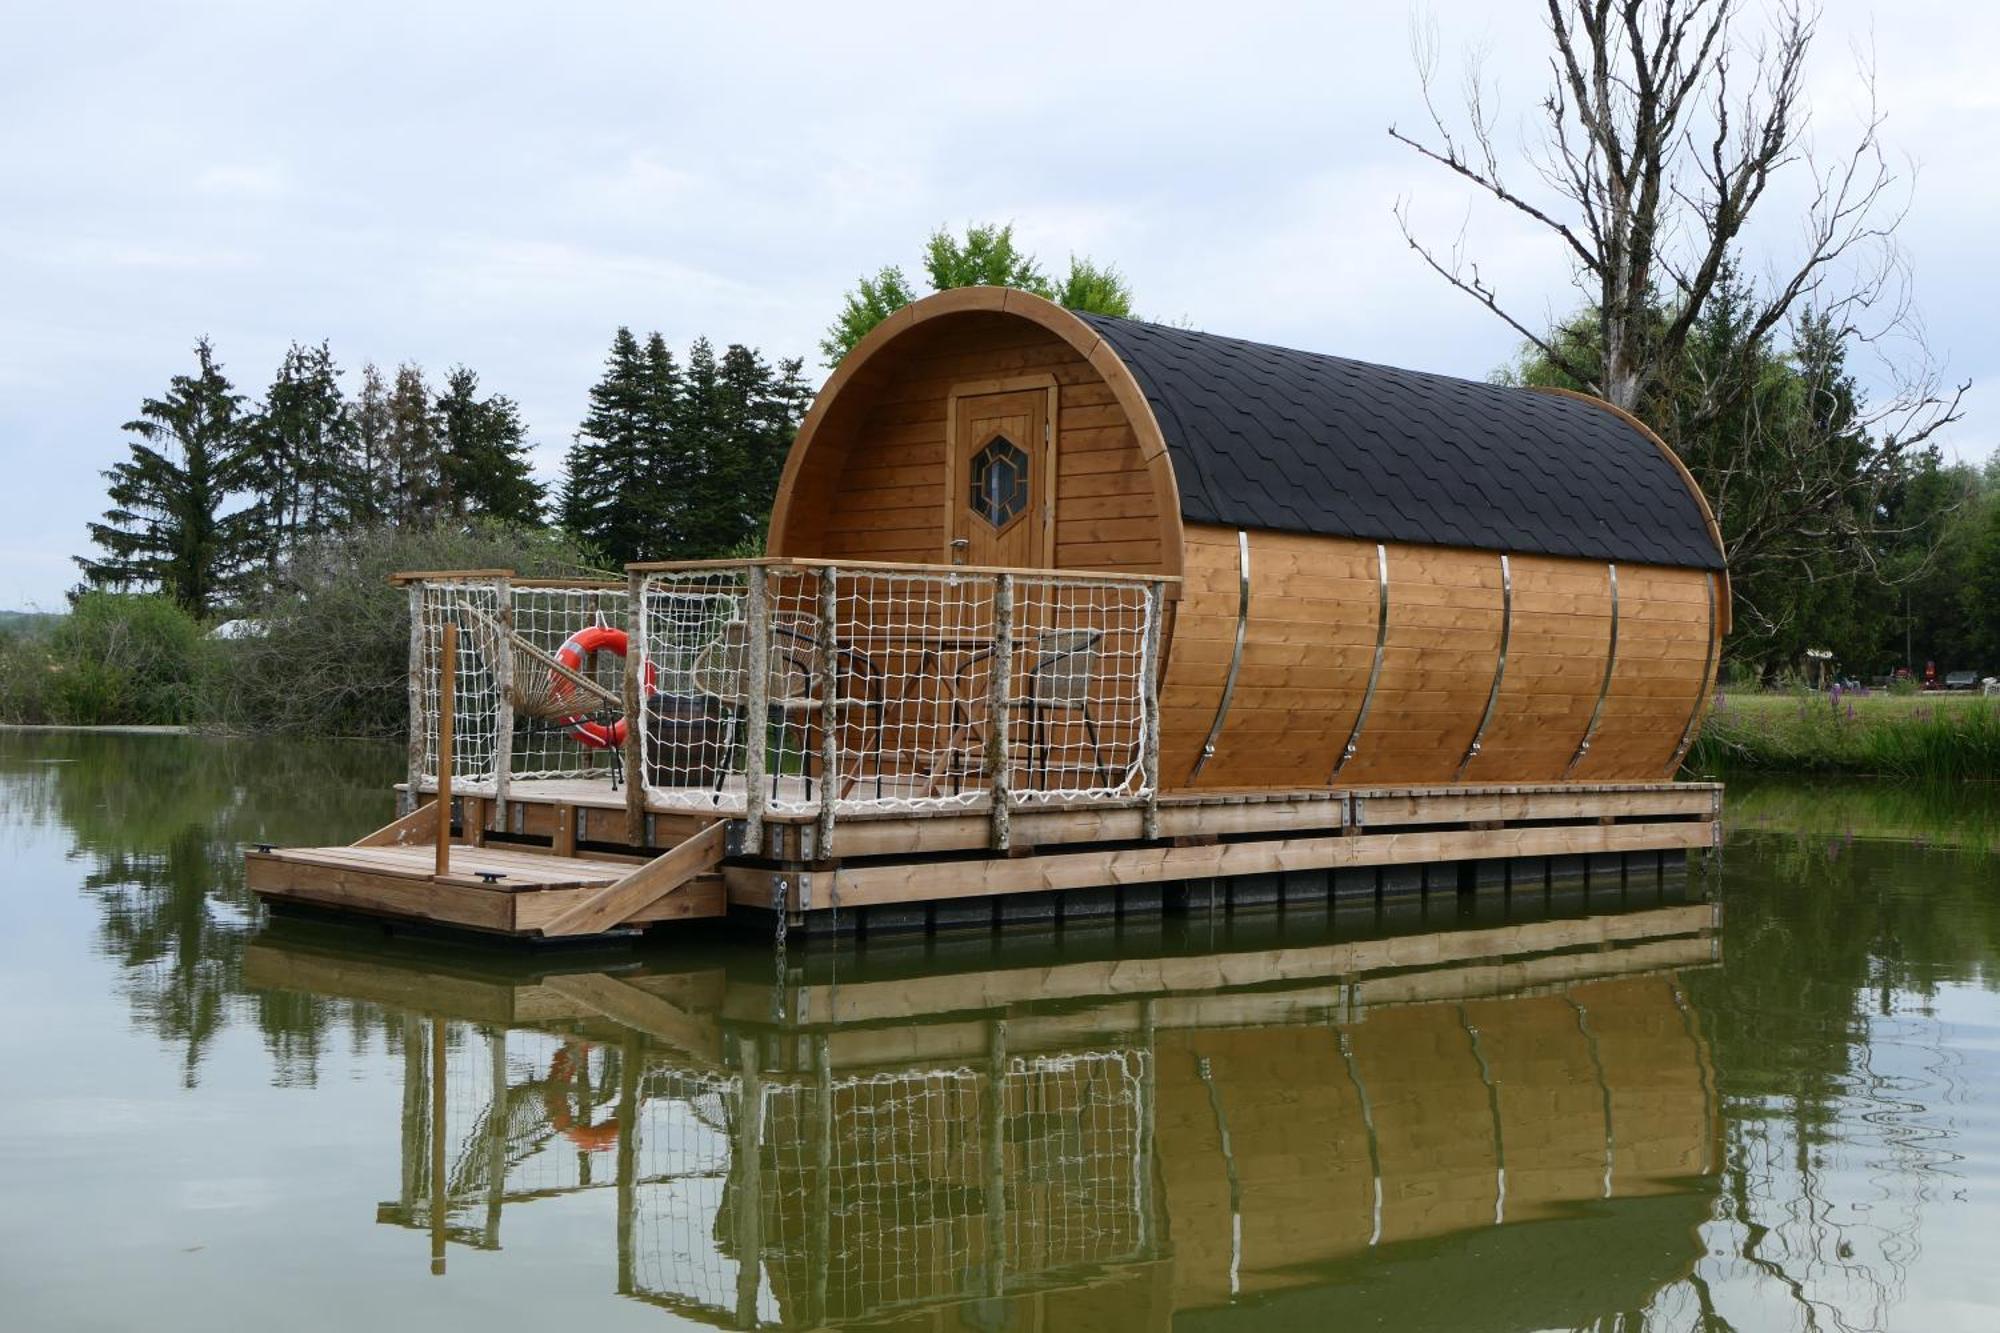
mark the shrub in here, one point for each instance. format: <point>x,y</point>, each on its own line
<point>329,651</point>
<point>116,659</point>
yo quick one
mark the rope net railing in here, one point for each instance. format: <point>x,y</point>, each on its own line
<point>878,686</point>
<point>538,660</point>
<point>873,1192</point>
<point>795,1197</point>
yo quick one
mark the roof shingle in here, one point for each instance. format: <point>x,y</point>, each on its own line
<point>1268,437</point>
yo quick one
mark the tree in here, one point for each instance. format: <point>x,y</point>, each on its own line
<point>985,257</point>
<point>371,480</point>
<point>606,479</point>
<point>170,527</point>
<point>1663,130</point>
<point>305,439</point>
<point>413,448</point>
<point>484,453</point>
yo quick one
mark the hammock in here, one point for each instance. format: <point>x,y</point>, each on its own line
<point>543,687</point>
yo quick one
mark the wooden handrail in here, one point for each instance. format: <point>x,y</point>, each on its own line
<point>900,567</point>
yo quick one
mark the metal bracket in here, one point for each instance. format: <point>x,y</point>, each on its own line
<point>1235,654</point>
<point>1381,650</point>
<point>1603,689</point>
<point>1499,667</point>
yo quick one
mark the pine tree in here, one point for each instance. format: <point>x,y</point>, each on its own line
<point>304,438</point>
<point>659,491</point>
<point>370,474</point>
<point>414,448</point>
<point>605,477</point>
<point>168,529</point>
<point>485,453</point>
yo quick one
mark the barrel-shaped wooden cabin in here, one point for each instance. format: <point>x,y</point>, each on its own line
<point>1387,577</point>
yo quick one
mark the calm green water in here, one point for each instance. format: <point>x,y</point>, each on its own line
<point>1761,1099</point>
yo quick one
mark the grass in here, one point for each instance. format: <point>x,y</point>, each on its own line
<point>1930,737</point>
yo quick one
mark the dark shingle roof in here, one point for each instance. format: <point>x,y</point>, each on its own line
<point>1267,437</point>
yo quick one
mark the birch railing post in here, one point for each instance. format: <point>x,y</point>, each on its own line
<point>635,716</point>
<point>999,763</point>
<point>503,710</point>
<point>447,690</point>
<point>1149,709</point>
<point>756,705</point>
<point>828,665</point>
<point>412,797</point>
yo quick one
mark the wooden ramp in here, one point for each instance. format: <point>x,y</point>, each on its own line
<point>512,892</point>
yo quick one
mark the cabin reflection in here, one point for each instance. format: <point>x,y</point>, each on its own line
<point>1102,1143</point>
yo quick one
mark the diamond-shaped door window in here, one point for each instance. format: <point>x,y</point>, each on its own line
<point>999,481</point>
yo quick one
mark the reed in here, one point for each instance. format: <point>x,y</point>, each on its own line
<point>1930,737</point>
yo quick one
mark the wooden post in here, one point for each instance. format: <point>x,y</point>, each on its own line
<point>746,1159</point>
<point>630,1053</point>
<point>995,1125</point>
<point>496,1135</point>
<point>503,712</point>
<point>829,704</point>
<point>635,716</point>
<point>1149,706</point>
<point>415,775</point>
<point>447,689</point>
<point>999,763</point>
<point>756,706</point>
<point>440,1204</point>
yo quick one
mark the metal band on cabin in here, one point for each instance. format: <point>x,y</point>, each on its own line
<point>1499,667</point>
<point>1381,650</point>
<point>1235,654</point>
<point>1701,695</point>
<point>1604,689</point>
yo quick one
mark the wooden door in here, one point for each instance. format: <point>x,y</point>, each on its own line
<point>1000,503</point>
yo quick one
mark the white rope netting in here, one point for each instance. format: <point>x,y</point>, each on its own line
<point>911,656</point>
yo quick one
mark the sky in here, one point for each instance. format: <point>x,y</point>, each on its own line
<point>501,185</point>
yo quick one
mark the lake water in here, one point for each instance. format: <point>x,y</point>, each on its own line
<point>1761,1096</point>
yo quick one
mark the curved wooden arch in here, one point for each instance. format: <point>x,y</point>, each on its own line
<point>855,368</point>
<point>1687,479</point>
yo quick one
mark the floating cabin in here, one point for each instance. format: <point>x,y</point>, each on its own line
<point>1067,615</point>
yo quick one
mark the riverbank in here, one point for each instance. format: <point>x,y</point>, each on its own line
<point>1933,737</point>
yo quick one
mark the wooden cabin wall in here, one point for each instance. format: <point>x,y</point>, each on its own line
<point>1310,642</point>
<point>1443,1104</point>
<point>1665,635</point>
<point>1555,670</point>
<point>873,487</point>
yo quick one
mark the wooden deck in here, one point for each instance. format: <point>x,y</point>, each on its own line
<point>556,860</point>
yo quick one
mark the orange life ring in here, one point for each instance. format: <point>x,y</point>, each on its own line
<point>593,639</point>
<point>555,1102</point>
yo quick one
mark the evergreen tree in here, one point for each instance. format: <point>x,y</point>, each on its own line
<point>660,491</point>
<point>605,476</point>
<point>414,449</point>
<point>485,453</point>
<point>371,477</point>
<point>305,440</point>
<point>169,528</point>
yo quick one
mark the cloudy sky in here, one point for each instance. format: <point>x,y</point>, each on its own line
<point>501,185</point>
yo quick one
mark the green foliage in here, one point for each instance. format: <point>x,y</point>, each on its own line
<point>171,528</point>
<point>872,301</point>
<point>117,659</point>
<point>680,464</point>
<point>304,441</point>
<point>1100,290</point>
<point>1839,537</point>
<point>985,257</point>
<point>1939,738</point>
<point>330,652</point>
<point>485,454</point>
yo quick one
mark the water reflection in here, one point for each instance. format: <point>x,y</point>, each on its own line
<point>1405,1117</point>
<point>1002,1146</point>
